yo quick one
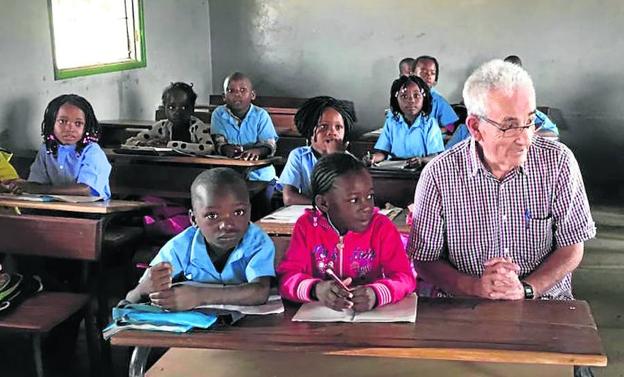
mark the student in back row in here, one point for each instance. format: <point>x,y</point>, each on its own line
<point>409,132</point>
<point>543,125</point>
<point>428,69</point>
<point>220,247</point>
<point>326,123</point>
<point>241,129</point>
<point>405,66</point>
<point>69,161</point>
<point>180,130</point>
<point>346,233</point>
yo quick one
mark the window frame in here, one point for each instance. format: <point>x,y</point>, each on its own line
<point>68,73</point>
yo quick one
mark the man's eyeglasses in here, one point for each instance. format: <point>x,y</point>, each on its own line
<point>512,128</point>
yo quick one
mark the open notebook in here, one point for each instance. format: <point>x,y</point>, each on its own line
<point>52,198</point>
<point>394,165</point>
<point>402,311</point>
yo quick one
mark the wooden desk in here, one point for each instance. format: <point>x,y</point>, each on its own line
<point>531,332</point>
<point>116,131</point>
<point>154,175</point>
<point>396,187</point>
<point>99,208</point>
<point>70,231</point>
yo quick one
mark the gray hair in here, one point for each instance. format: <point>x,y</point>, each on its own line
<point>493,75</point>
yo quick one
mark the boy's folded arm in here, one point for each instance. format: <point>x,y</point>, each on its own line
<point>255,292</point>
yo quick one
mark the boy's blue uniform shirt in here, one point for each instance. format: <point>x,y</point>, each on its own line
<point>298,170</point>
<point>441,110</point>
<point>90,168</point>
<point>187,252</point>
<point>461,133</point>
<point>544,123</point>
<point>256,127</point>
<point>421,139</point>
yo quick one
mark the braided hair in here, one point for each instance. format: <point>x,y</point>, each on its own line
<point>182,86</point>
<point>427,57</point>
<point>330,167</point>
<point>308,115</point>
<point>401,83</point>
<point>91,127</point>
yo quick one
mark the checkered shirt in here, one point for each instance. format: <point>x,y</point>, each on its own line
<point>465,215</point>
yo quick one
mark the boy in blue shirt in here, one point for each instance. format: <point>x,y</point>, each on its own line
<point>428,69</point>
<point>221,247</point>
<point>241,129</point>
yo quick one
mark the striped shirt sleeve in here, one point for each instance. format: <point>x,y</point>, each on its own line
<point>571,214</point>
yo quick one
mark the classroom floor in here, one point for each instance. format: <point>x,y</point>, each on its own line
<point>599,280</point>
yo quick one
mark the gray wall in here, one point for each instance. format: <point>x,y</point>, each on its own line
<point>178,49</point>
<point>350,49</point>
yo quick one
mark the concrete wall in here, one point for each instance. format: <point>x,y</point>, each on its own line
<point>350,49</point>
<point>178,49</point>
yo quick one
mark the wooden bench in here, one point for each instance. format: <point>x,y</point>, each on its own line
<point>38,315</point>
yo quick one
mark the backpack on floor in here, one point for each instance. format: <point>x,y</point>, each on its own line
<point>15,288</point>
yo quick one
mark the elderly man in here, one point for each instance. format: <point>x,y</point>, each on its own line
<point>504,214</point>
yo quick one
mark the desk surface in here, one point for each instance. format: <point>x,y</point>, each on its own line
<point>536,332</point>
<point>192,160</point>
<point>103,207</point>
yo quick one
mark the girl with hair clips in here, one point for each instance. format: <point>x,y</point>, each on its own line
<point>326,124</point>
<point>427,68</point>
<point>69,161</point>
<point>181,130</point>
<point>344,233</point>
<point>409,133</point>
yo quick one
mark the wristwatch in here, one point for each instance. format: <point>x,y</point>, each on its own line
<point>529,294</point>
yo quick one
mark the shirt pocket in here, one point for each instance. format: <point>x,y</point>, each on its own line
<point>539,237</point>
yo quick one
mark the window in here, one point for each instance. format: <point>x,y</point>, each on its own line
<point>96,36</point>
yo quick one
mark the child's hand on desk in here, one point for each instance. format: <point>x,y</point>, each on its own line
<point>414,162</point>
<point>14,186</point>
<point>231,150</point>
<point>180,297</point>
<point>158,278</point>
<point>252,154</point>
<point>364,298</point>
<point>330,294</point>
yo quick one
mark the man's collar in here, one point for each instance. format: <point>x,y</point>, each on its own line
<point>475,164</point>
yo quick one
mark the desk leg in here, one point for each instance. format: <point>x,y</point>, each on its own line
<point>138,361</point>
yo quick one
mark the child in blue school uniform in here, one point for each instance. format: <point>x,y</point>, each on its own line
<point>221,247</point>
<point>326,124</point>
<point>241,129</point>
<point>543,125</point>
<point>427,68</point>
<point>410,132</point>
<point>69,161</point>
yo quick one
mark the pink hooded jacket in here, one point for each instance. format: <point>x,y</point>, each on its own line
<point>376,257</point>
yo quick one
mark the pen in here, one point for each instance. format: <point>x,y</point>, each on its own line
<point>527,218</point>
<point>335,277</point>
<point>142,266</point>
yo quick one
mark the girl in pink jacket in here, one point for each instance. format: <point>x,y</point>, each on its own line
<point>344,233</point>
